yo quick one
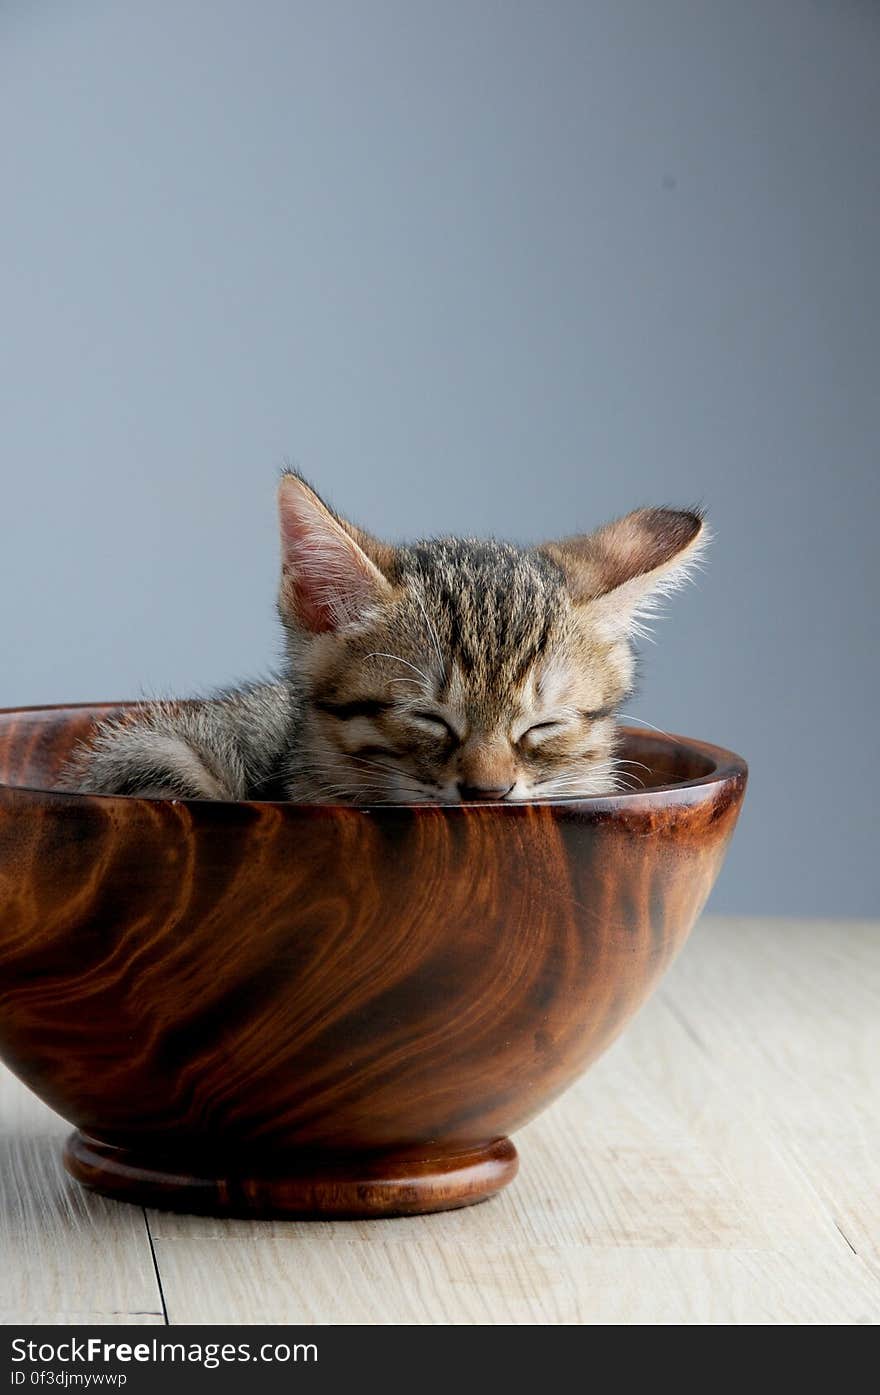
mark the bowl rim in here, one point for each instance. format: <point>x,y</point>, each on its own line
<point>727,768</point>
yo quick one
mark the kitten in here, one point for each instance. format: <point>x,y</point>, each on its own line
<point>438,672</point>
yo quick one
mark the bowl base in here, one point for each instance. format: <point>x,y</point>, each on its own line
<point>374,1185</point>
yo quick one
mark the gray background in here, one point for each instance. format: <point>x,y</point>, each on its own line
<point>508,267</point>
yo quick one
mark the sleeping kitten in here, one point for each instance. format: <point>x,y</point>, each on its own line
<point>437,672</point>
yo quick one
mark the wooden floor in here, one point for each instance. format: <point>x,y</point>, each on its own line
<point>720,1165</point>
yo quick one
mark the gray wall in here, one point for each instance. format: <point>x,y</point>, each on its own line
<point>474,266</point>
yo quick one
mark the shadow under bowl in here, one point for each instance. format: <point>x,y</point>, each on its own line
<point>283,1009</point>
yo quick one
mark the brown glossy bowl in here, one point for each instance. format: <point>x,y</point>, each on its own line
<point>281,1009</point>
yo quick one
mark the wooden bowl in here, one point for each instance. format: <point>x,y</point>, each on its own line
<point>281,1009</point>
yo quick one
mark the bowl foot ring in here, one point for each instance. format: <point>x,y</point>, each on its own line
<point>374,1185</point>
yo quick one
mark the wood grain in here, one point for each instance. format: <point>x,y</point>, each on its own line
<point>242,993</point>
<point>802,1037</point>
<point>68,1256</point>
<point>655,1191</point>
<point>690,1177</point>
<point>431,1282</point>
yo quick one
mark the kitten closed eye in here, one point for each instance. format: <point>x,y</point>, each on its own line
<point>440,671</point>
<point>435,722</point>
<point>542,729</point>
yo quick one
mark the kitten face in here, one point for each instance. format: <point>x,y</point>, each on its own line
<point>453,670</point>
<point>478,680</point>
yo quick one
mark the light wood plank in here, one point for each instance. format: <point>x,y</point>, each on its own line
<point>429,1282</point>
<point>790,1013</point>
<point>68,1256</point>
<point>35,1318</point>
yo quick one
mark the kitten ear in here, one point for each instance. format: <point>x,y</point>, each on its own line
<point>623,569</point>
<point>328,577</point>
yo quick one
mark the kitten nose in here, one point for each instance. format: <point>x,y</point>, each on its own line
<point>474,794</point>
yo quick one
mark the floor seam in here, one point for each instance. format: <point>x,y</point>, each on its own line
<point>839,1227</point>
<point>156,1268</point>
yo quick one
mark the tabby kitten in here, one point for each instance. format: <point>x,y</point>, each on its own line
<point>437,672</point>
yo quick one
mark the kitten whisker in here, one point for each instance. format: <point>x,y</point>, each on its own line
<point>404,778</point>
<point>408,782</point>
<point>379,654</point>
<point>628,717</point>
<point>641,764</point>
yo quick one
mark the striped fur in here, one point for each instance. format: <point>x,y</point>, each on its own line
<point>433,672</point>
